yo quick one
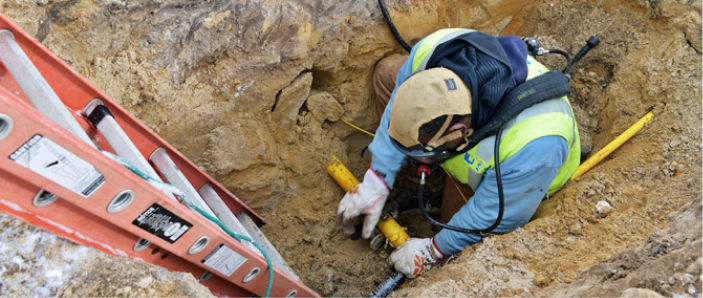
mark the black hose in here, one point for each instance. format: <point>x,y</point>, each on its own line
<point>392,27</point>
<point>389,285</point>
<point>501,199</point>
<point>568,59</point>
<point>590,43</point>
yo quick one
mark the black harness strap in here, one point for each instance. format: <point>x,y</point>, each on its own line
<point>550,85</point>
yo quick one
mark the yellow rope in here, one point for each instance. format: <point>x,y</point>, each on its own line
<point>456,186</point>
<point>359,128</point>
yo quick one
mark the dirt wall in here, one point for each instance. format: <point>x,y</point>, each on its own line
<point>253,91</point>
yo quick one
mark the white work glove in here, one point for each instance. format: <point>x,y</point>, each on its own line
<point>416,256</point>
<point>367,197</point>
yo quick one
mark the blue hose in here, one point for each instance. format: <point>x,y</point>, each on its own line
<point>239,238</point>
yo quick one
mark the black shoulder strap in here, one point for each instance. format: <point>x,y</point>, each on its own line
<point>550,85</point>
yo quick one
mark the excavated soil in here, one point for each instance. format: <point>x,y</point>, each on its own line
<point>253,91</point>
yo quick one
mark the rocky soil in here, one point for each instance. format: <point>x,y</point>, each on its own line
<point>253,91</point>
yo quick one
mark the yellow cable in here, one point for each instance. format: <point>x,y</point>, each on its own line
<point>359,128</point>
<point>456,186</point>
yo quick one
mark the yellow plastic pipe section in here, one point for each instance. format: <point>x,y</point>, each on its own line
<point>617,142</point>
<point>389,227</point>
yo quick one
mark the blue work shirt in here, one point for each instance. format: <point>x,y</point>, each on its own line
<point>526,177</point>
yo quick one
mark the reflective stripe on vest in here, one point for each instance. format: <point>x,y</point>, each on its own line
<point>550,117</point>
<point>427,46</point>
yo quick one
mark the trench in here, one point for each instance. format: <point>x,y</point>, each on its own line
<point>351,267</point>
<point>260,91</point>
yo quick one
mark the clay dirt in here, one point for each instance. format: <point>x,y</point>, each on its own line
<point>254,92</point>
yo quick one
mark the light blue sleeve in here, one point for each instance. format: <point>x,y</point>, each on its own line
<point>526,177</point>
<point>386,160</point>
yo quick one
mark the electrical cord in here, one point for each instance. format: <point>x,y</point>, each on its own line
<point>501,199</point>
<point>392,27</point>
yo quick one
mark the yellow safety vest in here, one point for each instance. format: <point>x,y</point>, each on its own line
<point>550,117</point>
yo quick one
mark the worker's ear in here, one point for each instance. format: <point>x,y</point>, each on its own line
<point>463,124</point>
<point>459,126</point>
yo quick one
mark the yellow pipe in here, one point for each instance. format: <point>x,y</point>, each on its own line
<point>393,231</point>
<point>617,142</point>
<point>389,227</point>
<point>341,174</point>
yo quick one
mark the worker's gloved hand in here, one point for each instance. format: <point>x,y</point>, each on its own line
<point>367,197</point>
<point>416,256</point>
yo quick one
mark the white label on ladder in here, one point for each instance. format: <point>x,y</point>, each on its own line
<point>59,165</point>
<point>224,260</point>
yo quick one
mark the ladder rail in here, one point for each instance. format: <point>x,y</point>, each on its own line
<point>102,234</point>
<point>117,199</point>
<point>29,123</point>
<point>260,238</point>
<point>244,225</point>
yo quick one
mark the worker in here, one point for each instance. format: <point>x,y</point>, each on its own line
<point>451,84</point>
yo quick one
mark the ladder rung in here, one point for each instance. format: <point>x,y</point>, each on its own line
<point>35,86</point>
<point>224,214</point>
<point>101,117</point>
<point>173,175</point>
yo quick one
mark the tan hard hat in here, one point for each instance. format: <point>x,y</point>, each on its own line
<point>423,97</point>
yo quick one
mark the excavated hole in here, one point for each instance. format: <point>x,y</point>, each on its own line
<point>597,111</point>
<point>208,85</point>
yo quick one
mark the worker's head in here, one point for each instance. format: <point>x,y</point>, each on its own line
<point>430,115</point>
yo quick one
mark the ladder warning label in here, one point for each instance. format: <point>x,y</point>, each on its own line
<point>59,165</point>
<point>162,223</point>
<point>224,259</point>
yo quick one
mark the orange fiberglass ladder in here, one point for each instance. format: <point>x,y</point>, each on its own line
<point>53,175</point>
